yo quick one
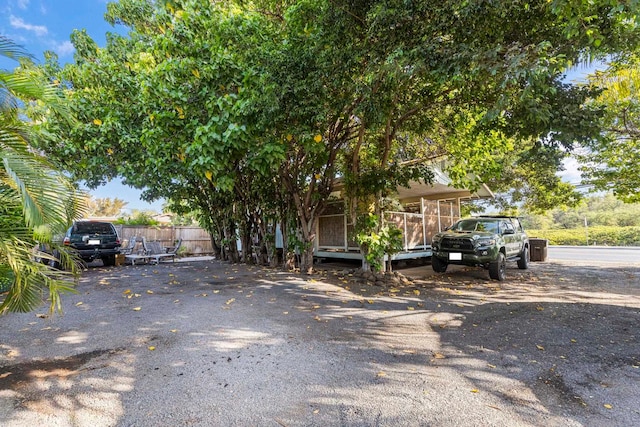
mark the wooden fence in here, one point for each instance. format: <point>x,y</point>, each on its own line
<point>195,240</point>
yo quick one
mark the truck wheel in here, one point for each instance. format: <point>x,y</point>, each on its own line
<point>523,262</point>
<point>439,266</point>
<point>497,269</point>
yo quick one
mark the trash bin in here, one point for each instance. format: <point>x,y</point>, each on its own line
<point>538,249</point>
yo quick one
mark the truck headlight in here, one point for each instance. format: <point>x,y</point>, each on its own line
<point>486,242</point>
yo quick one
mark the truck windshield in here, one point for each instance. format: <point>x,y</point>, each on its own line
<point>476,225</point>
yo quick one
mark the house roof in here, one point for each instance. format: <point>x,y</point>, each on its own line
<point>440,189</point>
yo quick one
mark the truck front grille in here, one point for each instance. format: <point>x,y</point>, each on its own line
<point>460,244</point>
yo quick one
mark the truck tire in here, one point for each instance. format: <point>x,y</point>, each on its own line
<point>438,265</point>
<point>523,262</point>
<point>497,270</point>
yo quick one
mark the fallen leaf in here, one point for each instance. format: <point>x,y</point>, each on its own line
<point>439,356</point>
<point>151,348</point>
<point>173,330</point>
<point>491,366</point>
<point>416,292</point>
<point>410,308</point>
<point>78,303</point>
<point>381,374</point>
<point>149,291</point>
<point>539,347</point>
<point>608,406</point>
<point>128,291</point>
<point>137,308</point>
<point>475,390</point>
<point>230,301</point>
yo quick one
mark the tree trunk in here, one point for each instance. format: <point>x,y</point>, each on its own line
<point>306,259</point>
<point>217,250</point>
<point>308,228</point>
<point>231,244</point>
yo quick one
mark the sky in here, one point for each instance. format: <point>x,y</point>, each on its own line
<point>40,25</point>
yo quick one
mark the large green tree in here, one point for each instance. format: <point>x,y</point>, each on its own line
<point>611,161</point>
<point>36,201</point>
<point>205,102</point>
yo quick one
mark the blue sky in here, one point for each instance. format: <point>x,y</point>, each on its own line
<point>41,25</point>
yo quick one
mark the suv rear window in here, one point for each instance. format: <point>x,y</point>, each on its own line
<point>93,228</point>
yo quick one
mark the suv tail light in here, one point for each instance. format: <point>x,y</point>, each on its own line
<point>66,241</point>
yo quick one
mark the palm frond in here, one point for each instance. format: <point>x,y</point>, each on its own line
<point>10,49</point>
<point>36,201</point>
<point>32,281</point>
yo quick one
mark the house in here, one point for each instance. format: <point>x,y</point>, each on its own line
<point>428,209</point>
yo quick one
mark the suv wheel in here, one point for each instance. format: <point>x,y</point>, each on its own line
<point>497,269</point>
<point>523,262</point>
<point>55,263</point>
<point>439,266</point>
<point>109,261</point>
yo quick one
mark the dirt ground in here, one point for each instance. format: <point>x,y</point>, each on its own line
<point>556,344</point>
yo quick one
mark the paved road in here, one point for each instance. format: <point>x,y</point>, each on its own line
<point>595,254</point>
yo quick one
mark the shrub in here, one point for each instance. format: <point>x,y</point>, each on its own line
<point>598,235</point>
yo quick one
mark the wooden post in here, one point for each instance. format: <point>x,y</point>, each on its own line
<point>424,224</point>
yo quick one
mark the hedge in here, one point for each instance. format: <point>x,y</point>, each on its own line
<point>598,235</point>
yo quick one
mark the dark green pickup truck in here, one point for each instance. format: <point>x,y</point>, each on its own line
<point>486,241</point>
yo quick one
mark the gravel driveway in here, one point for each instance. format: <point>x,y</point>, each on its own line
<point>206,343</point>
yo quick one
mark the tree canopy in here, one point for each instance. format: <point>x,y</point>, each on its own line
<point>104,206</point>
<point>248,111</point>
<point>611,161</point>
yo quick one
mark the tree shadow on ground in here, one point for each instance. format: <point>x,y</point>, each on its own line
<point>253,346</point>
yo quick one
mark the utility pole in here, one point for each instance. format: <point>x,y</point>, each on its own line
<point>586,229</point>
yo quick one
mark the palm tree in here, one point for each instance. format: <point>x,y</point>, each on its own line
<point>36,201</point>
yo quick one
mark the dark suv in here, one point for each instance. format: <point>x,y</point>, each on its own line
<point>92,240</point>
<point>486,241</point>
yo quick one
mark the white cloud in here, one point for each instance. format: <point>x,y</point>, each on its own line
<point>571,172</point>
<point>23,4</point>
<point>64,49</point>
<point>18,23</point>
